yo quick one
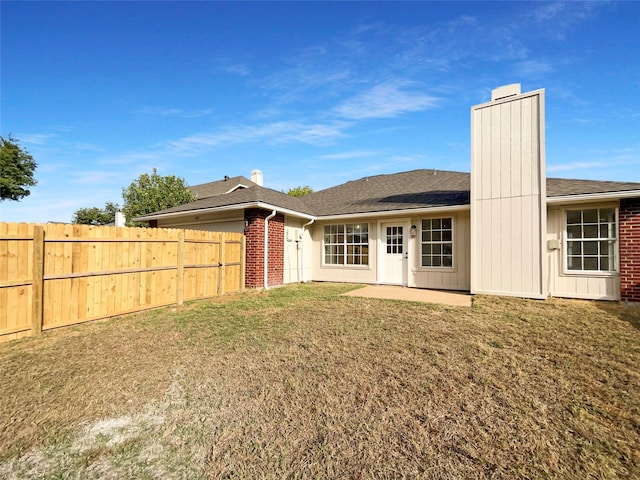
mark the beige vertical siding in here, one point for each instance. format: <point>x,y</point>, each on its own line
<point>293,250</point>
<point>211,222</point>
<point>356,274</point>
<point>508,195</point>
<point>456,278</point>
<point>571,285</point>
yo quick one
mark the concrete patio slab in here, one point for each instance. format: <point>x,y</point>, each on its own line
<point>393,292</point>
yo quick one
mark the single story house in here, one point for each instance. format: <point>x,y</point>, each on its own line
<point>502,229</point>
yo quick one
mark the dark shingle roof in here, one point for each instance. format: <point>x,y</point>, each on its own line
<point>400,191</point>
<point>240,196</point>
<point>558,187</point>
<point>430,188</point>
<point>219,187</point>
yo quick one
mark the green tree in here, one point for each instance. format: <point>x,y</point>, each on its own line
<point>300,191</point>
<point>95,215</point>
<point>151,193</point>
<point>16,170</point>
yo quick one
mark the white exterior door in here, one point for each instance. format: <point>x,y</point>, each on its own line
<point>394,253</point>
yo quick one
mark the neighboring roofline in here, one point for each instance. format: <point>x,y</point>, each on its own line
<point>588,197</point>
<point>395,213</point>
<point>224,208</point>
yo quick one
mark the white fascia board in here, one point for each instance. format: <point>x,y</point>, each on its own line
<point>286,211</point>
<point>593,197</point>
<point>240,185</point>
<point>224,208</point>
<point>394,213</point>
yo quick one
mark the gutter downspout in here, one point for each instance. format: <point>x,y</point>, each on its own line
<point>302,247</point>
<point>266,248</point>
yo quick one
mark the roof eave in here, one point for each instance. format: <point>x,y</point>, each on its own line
<point>590,197</point>
<point>224,208</point>
<point>395,213</point>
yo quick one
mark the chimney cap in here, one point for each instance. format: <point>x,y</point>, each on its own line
<point>505,91</point>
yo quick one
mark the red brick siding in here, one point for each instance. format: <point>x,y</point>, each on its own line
<point>254,273</point>
<point>630,249</point>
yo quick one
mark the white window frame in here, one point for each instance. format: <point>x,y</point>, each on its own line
<point>345,246</point>
<point>616,242</point>
<point>420,243</point>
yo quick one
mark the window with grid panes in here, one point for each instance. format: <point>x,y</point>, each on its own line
<point>394,239</point>
<point>346,244</point>
<point>591,240</point>
<point>437,242</point>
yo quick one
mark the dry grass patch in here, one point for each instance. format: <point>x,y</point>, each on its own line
<point>300,382</point>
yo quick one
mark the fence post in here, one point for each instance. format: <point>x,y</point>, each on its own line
<point>180,279</point>
<point>222,261</point>
<point>38,282</point>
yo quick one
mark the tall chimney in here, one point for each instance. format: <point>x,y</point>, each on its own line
<point>508,195</point>
<point>256,177</point>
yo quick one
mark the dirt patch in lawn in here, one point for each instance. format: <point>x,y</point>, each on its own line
<point>302,382</point>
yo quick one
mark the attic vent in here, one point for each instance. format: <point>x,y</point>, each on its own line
<point>505,91</point>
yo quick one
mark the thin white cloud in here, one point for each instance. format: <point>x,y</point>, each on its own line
<point>277,132</point>
<point>174,112</point>
<point>351,155</point>
<point>547,11</point>
<point>87,147</point>
<point>306,81</point>
<point>234,69</point>
<point>385,101</point>
<point>36,138</point>
<point>463,21</point>
<point>316,134</point>
<point>132,157</point>
<point>369,27</point>
<point>529,69</point>
<point>556,19</point>
<point>96,177</point>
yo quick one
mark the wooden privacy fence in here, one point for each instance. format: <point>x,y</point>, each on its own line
<point>56,275</point>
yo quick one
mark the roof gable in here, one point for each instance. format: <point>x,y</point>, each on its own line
<point>220,187</point>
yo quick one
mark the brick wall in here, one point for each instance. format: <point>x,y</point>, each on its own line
<point>630,250</point>
<point>254,275</point>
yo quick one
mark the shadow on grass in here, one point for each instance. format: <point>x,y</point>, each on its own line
<point>627,312</point>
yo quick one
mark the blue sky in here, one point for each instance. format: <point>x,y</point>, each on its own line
<point>310,93</point>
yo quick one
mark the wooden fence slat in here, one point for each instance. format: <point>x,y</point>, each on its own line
<point>180,277</point>
<point>4,274</point>
<point>38,272</point>
<point>222,270</point>
<point>243,249</point>
<point>56,275</point>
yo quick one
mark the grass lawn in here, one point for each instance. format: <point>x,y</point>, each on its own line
<point>300,382</point>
